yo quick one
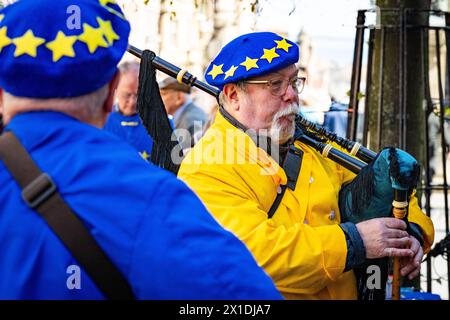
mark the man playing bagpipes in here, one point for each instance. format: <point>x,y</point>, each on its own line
<point>281,197</point>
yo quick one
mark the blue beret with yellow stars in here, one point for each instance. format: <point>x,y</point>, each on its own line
<point>251,55</point>
<point>62,48</point>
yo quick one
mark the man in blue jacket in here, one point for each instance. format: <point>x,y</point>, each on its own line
<point>57,83</point>
<point>125,121</point>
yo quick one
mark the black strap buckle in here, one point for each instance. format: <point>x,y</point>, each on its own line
<point>38,191</point>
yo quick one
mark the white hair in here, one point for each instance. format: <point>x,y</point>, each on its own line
<point>129,66</point>
<point>87,108</point>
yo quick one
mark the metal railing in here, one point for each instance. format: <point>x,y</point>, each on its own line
<point>434,44</point>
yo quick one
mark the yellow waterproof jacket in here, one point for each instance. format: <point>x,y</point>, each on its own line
<point>302,246</point>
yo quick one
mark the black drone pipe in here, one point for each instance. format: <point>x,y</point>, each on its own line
<point>326,150</point>
<point>352,164</point>
<point>353,147</point>
<point>177,73</point>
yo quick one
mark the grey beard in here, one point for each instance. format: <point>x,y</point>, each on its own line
<point>277,131</point>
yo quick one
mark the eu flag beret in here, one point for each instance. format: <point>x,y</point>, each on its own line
<point>62,48</point>
<point>251,55</point>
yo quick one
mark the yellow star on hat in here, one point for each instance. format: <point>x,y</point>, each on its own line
<point>4,40</point>
<point>250,63</point>
<point>108,31</point>
<point>282,44</point>
<point>144,155</point>
<point>27,44</point>
<point>1,17</point>
<point>62,46</point>
<point>231,71</point>
<point>270,54</point>
<point>92,37</point>
<point>105,2</point>
<point>216,70</point>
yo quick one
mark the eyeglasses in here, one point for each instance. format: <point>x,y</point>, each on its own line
<point>278,86</point>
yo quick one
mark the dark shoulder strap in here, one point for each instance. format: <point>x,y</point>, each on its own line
<point>291,167</point>
<point>40,193</point>
<point>277,201</point>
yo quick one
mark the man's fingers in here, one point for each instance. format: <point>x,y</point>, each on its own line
<point>395,233</point>
<point>395,223</point>
<point>414,274</point>
<point>415,245</point>
<point>400,243</point>
<point>408,268</point>
<point>411,266</point>
<point>418,257</point>
<point>411,271</point>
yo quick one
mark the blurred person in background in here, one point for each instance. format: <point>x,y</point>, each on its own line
<point>188,118</point>
<point>125,121</point>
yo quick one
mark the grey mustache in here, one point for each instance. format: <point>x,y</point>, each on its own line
<point>292,110</point>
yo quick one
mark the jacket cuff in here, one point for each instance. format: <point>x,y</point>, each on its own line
<point>356,252</point>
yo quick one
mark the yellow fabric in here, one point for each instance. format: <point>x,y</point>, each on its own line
<point>416,216</point>
<point>302,247</point>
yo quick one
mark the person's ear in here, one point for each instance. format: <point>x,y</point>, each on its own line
<point>231,94</point>
<point>180,98</point>
<point>107,106</point>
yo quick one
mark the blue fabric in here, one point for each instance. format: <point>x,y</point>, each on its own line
<point>356,252</point>
<point>154,229</point>
<point>92,36</point>
<point>408,294</point>
<point>336,119</point>
<point>269,51</point>
<point>131,130</point>
<point>180,110</point>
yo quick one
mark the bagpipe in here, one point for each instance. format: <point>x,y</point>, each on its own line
<point>382,187</point>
